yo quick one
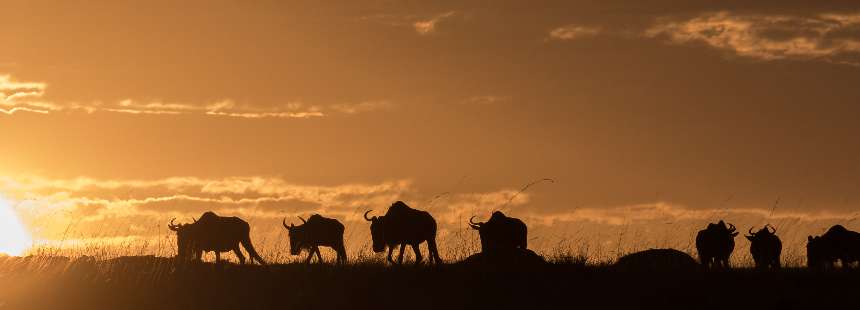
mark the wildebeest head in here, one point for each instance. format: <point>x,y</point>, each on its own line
<point>376,231</point>
<point>184,238</point>
<point>497,217</point>
<point>476,225</point>
<point>297,236</point>
<point>721,229</point>
<point>765,232</point>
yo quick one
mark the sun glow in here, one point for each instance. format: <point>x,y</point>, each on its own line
<point>14,238</point>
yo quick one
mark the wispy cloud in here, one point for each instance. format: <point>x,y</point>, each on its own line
<point>18,97</point>
<point>361,107</point>
<point>22,109</point>
<point>486,100</point>
<point>573,32</point>
<point>289,110</point>
<point>11,89</point>
<point>424,27</point>
<point>189,196</point>
<point>830,37</point>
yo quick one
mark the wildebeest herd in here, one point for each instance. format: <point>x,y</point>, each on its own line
<point>402,226</point>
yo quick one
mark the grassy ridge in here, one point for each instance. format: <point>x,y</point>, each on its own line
<point>158,283</point>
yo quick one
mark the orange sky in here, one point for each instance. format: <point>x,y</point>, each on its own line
<point>123,114</point>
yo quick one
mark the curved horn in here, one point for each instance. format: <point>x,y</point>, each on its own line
<point>770,227</point>
<point>731,227</point>
<point>473,224</point>
<point>303,220</point>
<point>172,226</point>
<point>365,216</point>
<point>285,223</point>
<point>751,232</point>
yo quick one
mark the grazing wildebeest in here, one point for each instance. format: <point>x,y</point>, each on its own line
<point>838,243</point>
<point>765,247</point>
<point>501,233</point>
<point>315,232</point>
<point>715,244</point>
<point>656,260</point>
<point>402,225</point>
<point>214,233</point>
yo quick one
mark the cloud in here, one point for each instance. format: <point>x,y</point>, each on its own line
<point>421,25</point>
<point>664,212</point>
<point>290,110</point>
<point>18,96</point>
<point>138,210</point>
<point>11,89</point>
<point>573,32</point>
<point>829,37</point>
<point>361,107</point>
<point>424,27</point>
<point>22,109</point>
<point>486,100</point>
<point>92,200</point>
<point>188,195</point>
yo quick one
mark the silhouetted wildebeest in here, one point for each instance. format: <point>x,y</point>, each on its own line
<point>402,225</point>
<point>765,247</point>
<point>501,232</point>
<point>214,233</point>
<point>715,244</point>
<point>656,260</point>
<point>315,232</point>
<point>838,243</point>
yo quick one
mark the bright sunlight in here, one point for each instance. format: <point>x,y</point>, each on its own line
<point>14,238</point>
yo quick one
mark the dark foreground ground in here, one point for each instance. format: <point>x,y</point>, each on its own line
<point>155,283</point>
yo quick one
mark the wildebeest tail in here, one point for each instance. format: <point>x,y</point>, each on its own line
<point>246,242</point>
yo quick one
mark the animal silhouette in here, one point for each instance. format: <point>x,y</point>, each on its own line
<point>315,232</point>
<point>402,225</point>
<point>501,232</point>
<point>656,260</point>
<point>837,244</point>
<point>213,233</point>
<point>715,244</point>
<point>765,247</point>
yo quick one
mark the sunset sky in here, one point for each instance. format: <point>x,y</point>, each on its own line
<point>652,117</point>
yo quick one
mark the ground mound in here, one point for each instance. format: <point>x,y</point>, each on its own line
<point>656,260</point>
<point>503,258</point>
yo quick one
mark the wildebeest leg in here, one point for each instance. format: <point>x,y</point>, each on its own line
<point>434,252</point>
<point>239,254</point>
<point>310,255</point>
<point>400,255</point>
<point>341,253</point>
<point>217,257</point>
<point>417,249</point>
<point>390,249</point>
